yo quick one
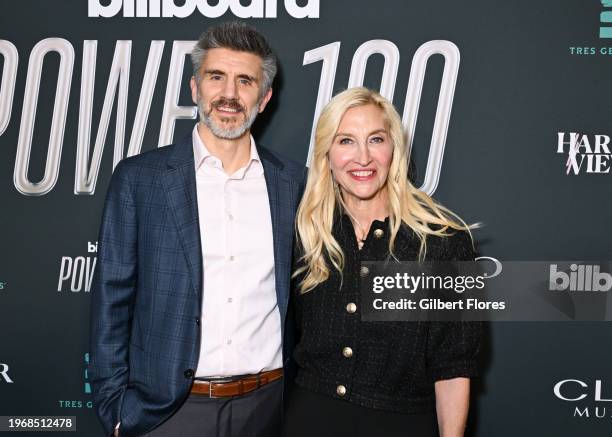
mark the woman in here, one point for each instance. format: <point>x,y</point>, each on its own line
<point>372,378</point>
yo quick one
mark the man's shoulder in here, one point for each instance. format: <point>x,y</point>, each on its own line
<point>290,166</point>
<point>155,159</point>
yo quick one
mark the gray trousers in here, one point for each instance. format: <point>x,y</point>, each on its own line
<point>255,414</point>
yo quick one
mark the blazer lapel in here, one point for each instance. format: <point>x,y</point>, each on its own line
<point>280,191</point>
<point>180,186</point>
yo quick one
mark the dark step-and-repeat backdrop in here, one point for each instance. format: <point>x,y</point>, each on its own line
<point>508,109</point>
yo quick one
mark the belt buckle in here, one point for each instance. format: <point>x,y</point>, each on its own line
<point>210,387</point>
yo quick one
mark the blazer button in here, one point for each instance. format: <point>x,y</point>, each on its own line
<point>188,373</point>
<point>378,233</point>
<point>364,271</point>
<point>347,352</point>
<point>197,321</point>
<point>341,390</point>
<point>351,308</point>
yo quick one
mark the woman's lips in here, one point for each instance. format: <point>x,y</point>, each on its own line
<point>362,175</point>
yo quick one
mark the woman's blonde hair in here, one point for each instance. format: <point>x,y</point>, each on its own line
<point>322,198</point>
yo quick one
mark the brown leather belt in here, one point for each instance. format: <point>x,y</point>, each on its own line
<point>215,389</point>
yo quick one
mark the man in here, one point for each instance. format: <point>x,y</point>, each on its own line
<point>190,297</point>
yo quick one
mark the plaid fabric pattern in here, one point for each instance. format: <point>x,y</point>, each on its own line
<point>147,289</point>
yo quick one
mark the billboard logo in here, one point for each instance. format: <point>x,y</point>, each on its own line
<point>605,20</point>
<point>77,273</point>
<point>4,373</point>
<point>579,278</point>
<point>168,8</point>
<point>588,154</point>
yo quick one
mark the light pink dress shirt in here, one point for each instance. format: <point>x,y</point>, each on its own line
<point>241,332</point>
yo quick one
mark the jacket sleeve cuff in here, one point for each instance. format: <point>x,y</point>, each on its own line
<point>461,369</point>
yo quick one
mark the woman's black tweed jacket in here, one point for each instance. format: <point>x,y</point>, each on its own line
<point>392,365</point>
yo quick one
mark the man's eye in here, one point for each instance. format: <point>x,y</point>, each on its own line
<point>215,77</point>
<point>245,81</point>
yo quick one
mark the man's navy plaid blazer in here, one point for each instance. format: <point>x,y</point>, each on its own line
<point>147,290</point>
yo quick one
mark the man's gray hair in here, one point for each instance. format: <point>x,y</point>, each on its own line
<point>238,36</point>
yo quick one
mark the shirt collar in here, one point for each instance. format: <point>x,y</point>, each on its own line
<point>201,153</point>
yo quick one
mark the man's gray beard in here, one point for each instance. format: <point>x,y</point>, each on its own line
<point>227,134</point>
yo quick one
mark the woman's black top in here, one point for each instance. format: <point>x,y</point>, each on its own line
<point>388,365</point>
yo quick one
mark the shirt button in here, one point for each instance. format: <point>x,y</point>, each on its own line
<point>364,271</point>
<point>351,308</point>
<point>378,233</point>
<point>231,217</point>
<point>341,390</point>
<point>229,342</point>
<point>347,352</point>
<point>231,258</point>
<point>229,300</point>
<point>188,373</point>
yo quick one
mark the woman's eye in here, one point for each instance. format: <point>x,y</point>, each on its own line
<point>377,140</point>
<point>345,141</point>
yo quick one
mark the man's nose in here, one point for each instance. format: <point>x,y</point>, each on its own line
<point>229,91</point>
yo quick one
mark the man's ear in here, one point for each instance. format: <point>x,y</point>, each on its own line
<point>194,89</point>
<point>265,100</point>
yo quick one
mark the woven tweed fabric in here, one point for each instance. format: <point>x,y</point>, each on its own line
<point>393,365</point>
